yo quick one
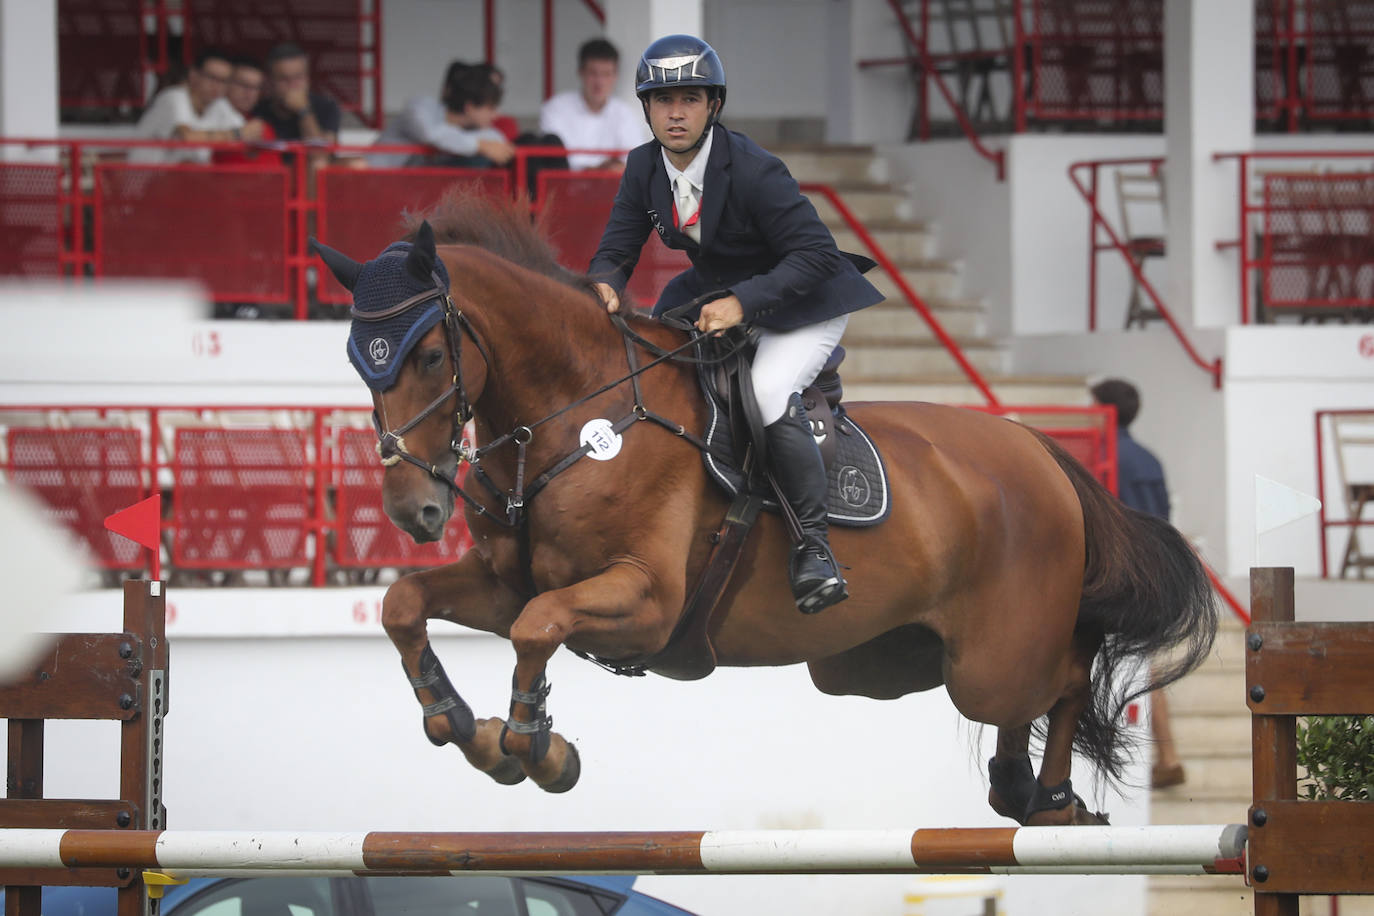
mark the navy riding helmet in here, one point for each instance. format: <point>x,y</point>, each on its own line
<point>681,60</point>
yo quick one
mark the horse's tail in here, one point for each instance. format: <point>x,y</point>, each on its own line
<point>1146,593</point>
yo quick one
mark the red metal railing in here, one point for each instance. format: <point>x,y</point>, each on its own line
<point>1089,190</point>
<point>1324,261</point>
<point>1355,492</point>
<point>279,489</point>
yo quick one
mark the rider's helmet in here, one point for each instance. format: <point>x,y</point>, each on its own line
<point>681,60</point>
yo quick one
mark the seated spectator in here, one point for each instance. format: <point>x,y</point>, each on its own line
<point>244,92</point>
<point>458,124</point>
<point>290,108</point>
<point>591,117</point>
<point>196,110</point>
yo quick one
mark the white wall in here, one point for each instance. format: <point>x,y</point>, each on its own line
<point>289,711</point>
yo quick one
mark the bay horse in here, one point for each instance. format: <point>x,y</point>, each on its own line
<point>1005,572</point>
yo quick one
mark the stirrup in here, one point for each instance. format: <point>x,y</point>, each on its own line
<point>830,590</point>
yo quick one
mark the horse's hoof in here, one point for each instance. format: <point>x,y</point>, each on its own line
<point>1004,809</point>
<point>1083,817</point>
<point>568,775</point>
<point>507,771</point>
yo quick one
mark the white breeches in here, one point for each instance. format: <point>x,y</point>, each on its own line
<point>788,361</point>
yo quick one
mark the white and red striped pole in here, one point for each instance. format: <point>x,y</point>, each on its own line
<point>1212,849</point>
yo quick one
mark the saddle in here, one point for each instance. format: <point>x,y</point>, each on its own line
<point>735,459</point>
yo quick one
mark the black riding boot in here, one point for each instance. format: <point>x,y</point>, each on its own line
<point>795,461</point>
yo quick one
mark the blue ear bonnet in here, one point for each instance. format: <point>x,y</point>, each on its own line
<point>378,348</point>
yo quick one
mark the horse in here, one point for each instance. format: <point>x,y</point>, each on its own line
<point>1005,572</point>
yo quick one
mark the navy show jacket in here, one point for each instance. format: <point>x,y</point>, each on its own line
<point>760,238</point>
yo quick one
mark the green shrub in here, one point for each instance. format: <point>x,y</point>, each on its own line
<point>1338,754</point>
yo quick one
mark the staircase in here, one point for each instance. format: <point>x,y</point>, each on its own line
<point>892,354</point>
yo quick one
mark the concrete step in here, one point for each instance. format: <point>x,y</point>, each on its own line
<point>901,242</point>
<point>1209,691</point>
<point>897,320</point>
<point>1200,895</point>
<point>1217,735</point>
<point>1168,810</point>
<point>867,201</point>
<point>954,388</point>
<point>936,278</point>
<point>833,164</point>
<point>875,356</point>
<point>1211,777</point>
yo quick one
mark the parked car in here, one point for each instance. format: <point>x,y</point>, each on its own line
<point>457,895</point>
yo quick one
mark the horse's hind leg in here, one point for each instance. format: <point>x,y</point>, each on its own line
<point>1054,803</point>
<point>465,593</point>
<point>1011,778</point>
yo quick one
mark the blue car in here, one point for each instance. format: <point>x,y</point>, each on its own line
<point>459,895</point>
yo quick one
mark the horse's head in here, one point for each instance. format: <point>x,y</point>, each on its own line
<point>406,341</point>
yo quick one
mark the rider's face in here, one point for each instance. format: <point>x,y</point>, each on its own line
<point>678,116</point>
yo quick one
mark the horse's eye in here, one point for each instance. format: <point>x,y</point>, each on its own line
<point>432,359</point>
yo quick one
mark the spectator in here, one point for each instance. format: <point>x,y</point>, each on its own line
<point>458,124</point>
<point>244,92</point>
<point>591,117</point>
<point>196,110</point>
<point>290,108</point>
<point>1140,482</point>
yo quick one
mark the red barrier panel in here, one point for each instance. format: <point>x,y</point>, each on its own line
<point>101,54</point>
<point>241,499</point>
<point>82,476</point>
<point>576,206</point>
<point>1094,59</point>
<point>360,209</point>
<point>364,536</point>
<point>223,225</point>
<point>30,220</point>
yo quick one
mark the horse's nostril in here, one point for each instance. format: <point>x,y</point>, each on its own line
<point>432,516</point>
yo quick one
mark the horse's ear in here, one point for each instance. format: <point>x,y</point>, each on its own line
<point>344,268</point>
<point>420,261</point>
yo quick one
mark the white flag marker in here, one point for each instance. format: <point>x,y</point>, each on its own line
<point>1276,505</point>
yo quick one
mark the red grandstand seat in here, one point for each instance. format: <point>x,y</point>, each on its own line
<point>360,210</point>
<point>365,538</point>
<point>576,206</point>
<point>241,499</point>
<point>82,476</point>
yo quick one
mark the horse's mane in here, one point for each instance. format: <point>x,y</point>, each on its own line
<point>499,224</point>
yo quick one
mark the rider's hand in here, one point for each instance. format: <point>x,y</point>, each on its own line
<point>720,314</point>
<point>608,295</point>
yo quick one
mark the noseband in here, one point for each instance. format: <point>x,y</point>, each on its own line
<point>391,447</point>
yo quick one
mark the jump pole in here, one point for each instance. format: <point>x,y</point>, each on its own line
<point>1149,850</point>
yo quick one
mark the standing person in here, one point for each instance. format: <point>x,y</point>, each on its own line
<point>1140,483</point>
<point>757,244</point>
<point>458,124</point>
<point>591,117</point>
<point>289,106</point>
<point>196,110</point>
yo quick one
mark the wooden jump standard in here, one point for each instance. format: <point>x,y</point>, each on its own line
<point>1026,850</point>
<point>1302,669</point>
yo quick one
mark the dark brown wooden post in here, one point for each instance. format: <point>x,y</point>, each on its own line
<point>1274,752</point>
<point>114,676</point>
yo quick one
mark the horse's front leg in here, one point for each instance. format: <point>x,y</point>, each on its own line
<point>618,608</point>
<point>467,593</point>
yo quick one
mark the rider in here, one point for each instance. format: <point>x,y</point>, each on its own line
<point>754,240</point>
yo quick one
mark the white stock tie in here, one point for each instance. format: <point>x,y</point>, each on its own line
<point>687,205</point>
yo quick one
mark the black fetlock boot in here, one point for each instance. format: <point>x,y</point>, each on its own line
<point>796,464</point>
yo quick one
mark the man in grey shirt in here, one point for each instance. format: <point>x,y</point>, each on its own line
<point>458,124</point>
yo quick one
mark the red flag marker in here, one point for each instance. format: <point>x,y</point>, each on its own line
<point>142,523</point>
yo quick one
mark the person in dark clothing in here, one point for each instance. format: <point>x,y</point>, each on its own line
<point>290,108</point>
<point>1141,486</point>
<point>759,253</point>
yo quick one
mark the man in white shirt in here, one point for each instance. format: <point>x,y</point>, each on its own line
<point>591,118</point>
<point>196,110</point>
<point>458,124</point>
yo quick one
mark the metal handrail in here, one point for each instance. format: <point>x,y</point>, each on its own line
<point>1213,368</point>
<point>997,157</point>
<point>915,301</point>
<point>1324,523</point>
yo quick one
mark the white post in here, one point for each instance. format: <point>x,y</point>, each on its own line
<point>1209,108</point>
<point>28,70</point>
<point>632,24</point>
